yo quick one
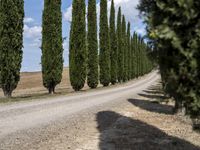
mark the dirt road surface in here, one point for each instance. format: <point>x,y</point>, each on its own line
<point>106,119</point>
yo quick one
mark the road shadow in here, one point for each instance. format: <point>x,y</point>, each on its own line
<point>119,132</point>
<point>155,92</point>
<point>153,96</point>
<point>152,106</point>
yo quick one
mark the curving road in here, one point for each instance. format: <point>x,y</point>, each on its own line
<point>22,116</point>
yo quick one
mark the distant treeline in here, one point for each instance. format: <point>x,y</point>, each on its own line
<point>119,57</point>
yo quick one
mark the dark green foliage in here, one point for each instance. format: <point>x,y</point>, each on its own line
<point>134,58</point>
<point>52,50</point>
<point>174,29</point>
<point>131,59</point>
<point>136,49</point>
<point>104,58</point>
<point>77,46</point>
<point>129,54</point>
<point>140,62</point>
<point>139,56</point>
<point>113,45</point>
<point>124,49</point>
<point>92,77</point>
<point>136,55</point>
<point>11,43</point>
<point>119,47</point>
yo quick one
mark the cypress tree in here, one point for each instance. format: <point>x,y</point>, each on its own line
<point>134,60</point>
<point>77,49</point>
<point>129,56</point>
<point>132,56</point>
<point>140,56</point>
<point>92,78</point>
<point>137,56</point>
<point>124,49</point>
<point>119,46</point>
<point>11,43</point>
<point>104,60</point>
<point>52,50</point>
<point>113,45</point>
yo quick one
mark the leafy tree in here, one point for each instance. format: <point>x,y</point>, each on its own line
<point>11,44</point>
<point>92,77</point>
<point>104,60</point>
<point>113,47</point>
<point>77,49</point>
<point>52,50</point>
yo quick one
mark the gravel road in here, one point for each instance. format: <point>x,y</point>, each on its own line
<point>56,123</point>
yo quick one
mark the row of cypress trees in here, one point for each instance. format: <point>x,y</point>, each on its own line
<point>114,61</point>
<point>121,56</point>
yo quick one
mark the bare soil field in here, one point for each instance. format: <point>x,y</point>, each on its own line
<point>31,85</point>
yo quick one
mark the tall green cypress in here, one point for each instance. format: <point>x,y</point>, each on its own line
<point>52,50</point>
<point>92,77</point>
<point>113,45</point>
<point>119,46</point>
<point>129,56</point>
<point>133,61</point>
<point>124,49</point>
<point>140,56</point>
<point>137,57</point>
<point>77,49</point>
<point>11,43</point>
<point>104,60</point>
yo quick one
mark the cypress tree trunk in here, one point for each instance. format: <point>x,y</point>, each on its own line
<point>178,106</point>
<point>77,49</point>
<point>52,50</point>
<point>92,78</point>
<point>119,46</point>
<point>124,49</point>
<point>113,45</point>
<point>11,43</point>
<point>104,61</point>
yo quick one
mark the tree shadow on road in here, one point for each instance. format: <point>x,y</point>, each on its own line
<point>153,96</point>
<point>119,132</point>
<point>152,106</point>
<point>154,92</point>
